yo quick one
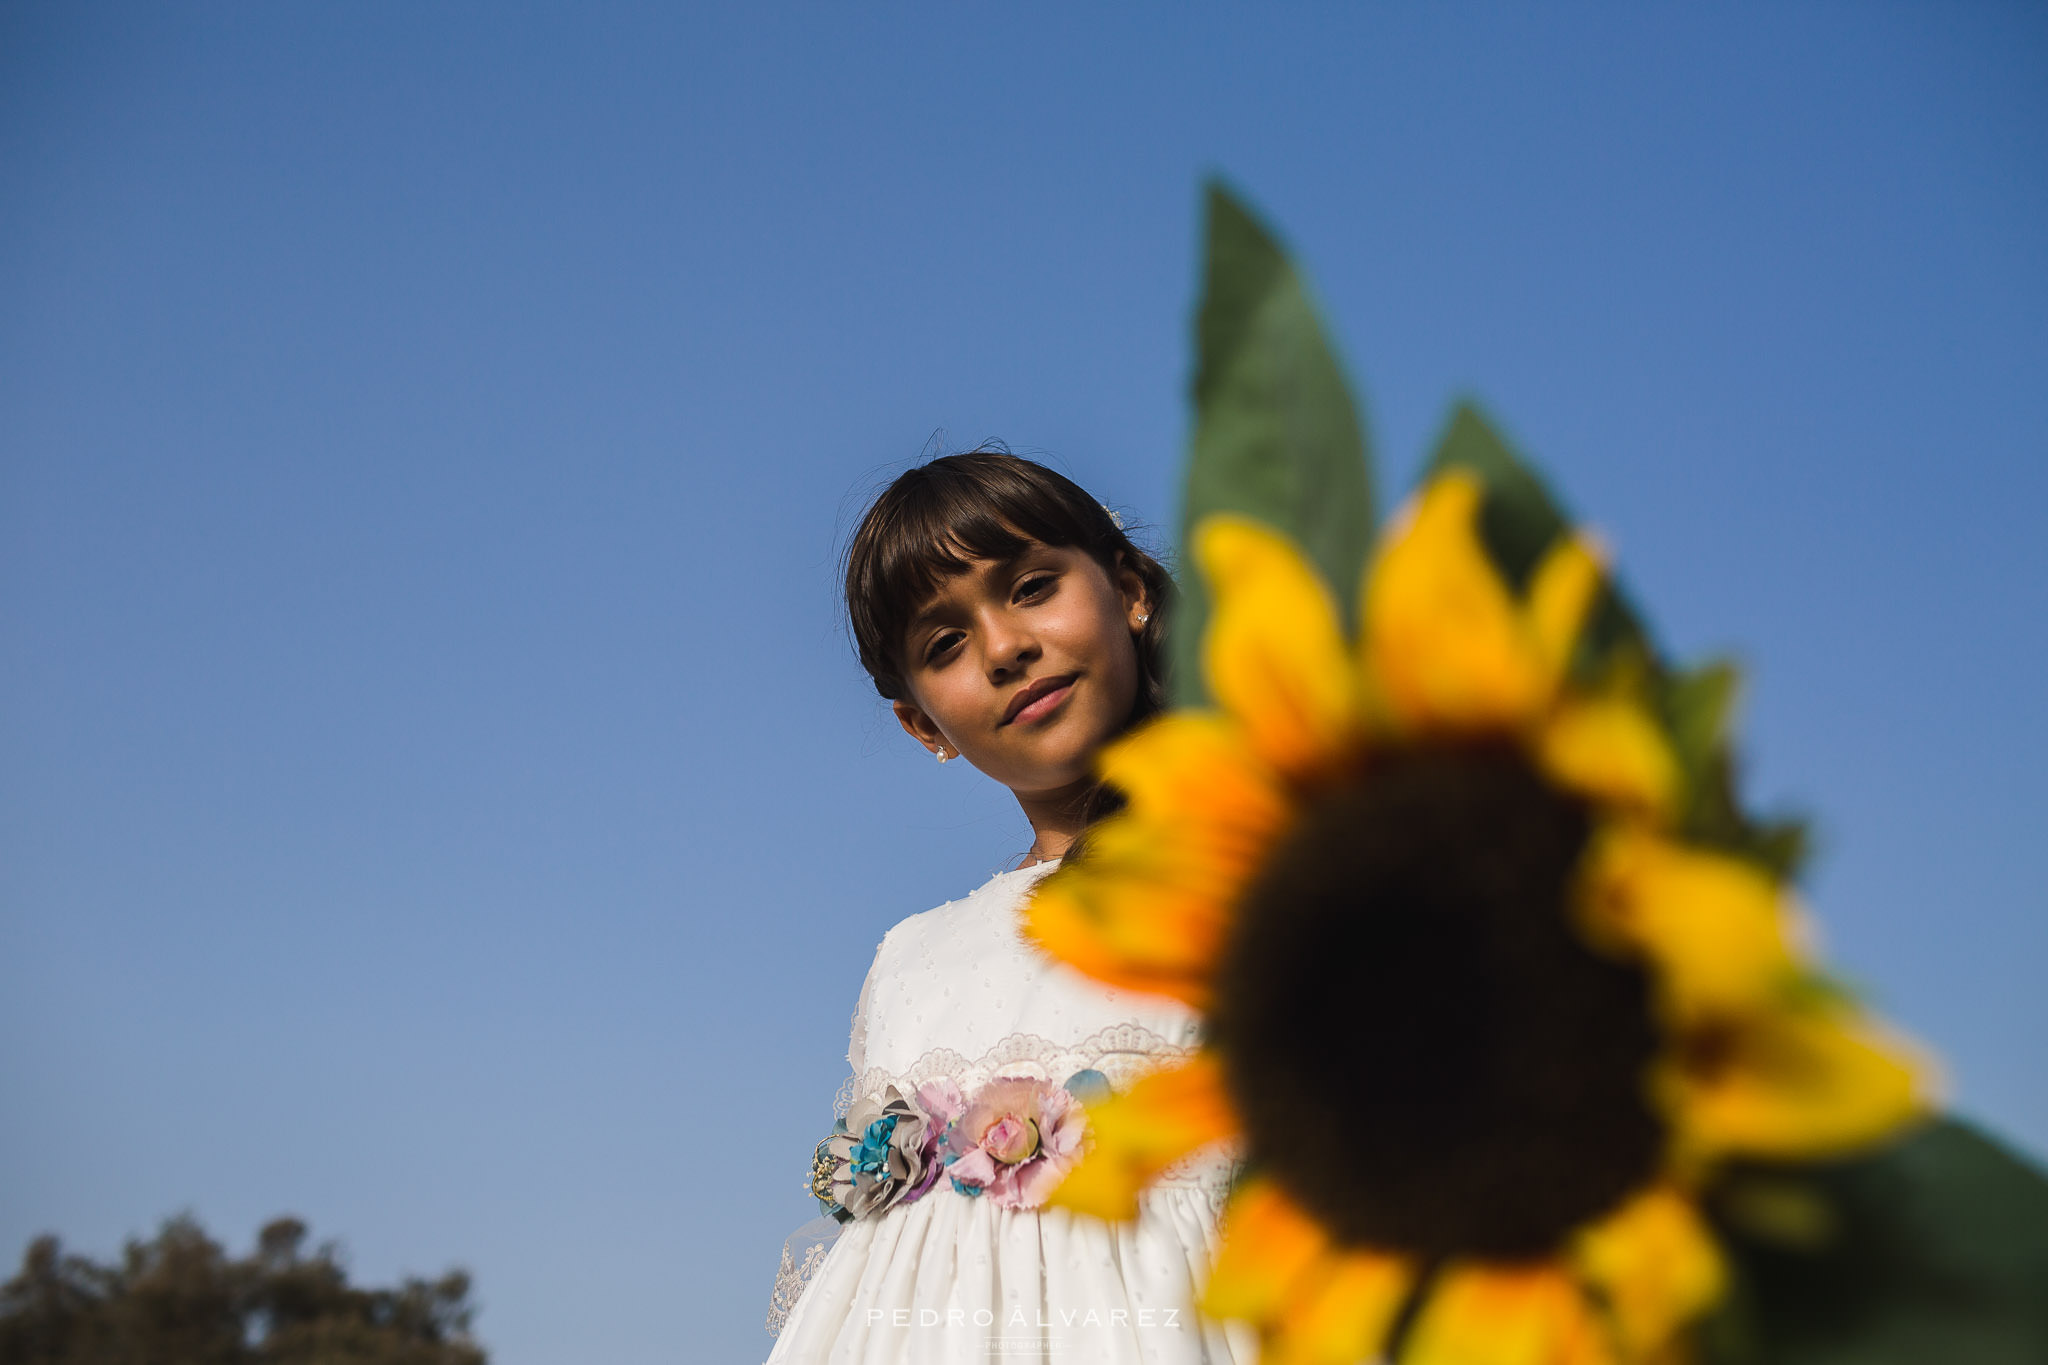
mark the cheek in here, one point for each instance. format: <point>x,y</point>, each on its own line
<point>1109,650</point>
<point>950,702</point>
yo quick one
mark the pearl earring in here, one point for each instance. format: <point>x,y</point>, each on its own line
<point>943,755</point>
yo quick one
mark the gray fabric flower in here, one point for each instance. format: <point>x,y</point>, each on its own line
<point>887,1155</point>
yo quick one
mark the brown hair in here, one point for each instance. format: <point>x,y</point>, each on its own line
<point>984,504</point>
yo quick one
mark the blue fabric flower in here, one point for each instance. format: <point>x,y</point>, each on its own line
<point>870,1156</point>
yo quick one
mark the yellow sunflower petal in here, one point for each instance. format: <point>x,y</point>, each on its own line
<point>1657,1264</point>
<point>1274,653</point>
<point>1719,930</point>
<point>1269,1246</point>
<point>1139,1133</point>
<point>1819,1081</point>
<point>1560,595</point>
<point>1445,643</point>
<point>1507,1315</point>
<point>1610,750</point>
<point>1196,772</point>
<point>1146,906</point>
<point>1126,929</point>
<point>1346,1319</point>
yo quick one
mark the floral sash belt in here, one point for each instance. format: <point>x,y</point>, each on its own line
<point>1012,1139</point>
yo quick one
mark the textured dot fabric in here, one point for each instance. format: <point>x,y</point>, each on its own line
<point>956,994</point>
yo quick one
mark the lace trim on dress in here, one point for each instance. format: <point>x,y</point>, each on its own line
<point>802,1257</point>
<point>1121,1052</point>
<point>1208,1171</point>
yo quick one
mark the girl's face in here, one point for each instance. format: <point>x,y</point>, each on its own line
<point>1025,666</point>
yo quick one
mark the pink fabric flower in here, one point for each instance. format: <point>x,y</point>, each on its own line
<point>1013,1141</point>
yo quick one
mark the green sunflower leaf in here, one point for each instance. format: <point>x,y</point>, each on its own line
<point>1932,1250</point>
<point>1700,704</point>
<point>1277,433</point>
<point>1698,707</point>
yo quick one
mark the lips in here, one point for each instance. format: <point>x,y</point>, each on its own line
<point>1035,691</point>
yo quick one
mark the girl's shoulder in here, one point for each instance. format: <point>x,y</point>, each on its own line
<point>927,957</point>
<point>989,908</point>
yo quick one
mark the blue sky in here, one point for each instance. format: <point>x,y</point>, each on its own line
<point>436,794</point>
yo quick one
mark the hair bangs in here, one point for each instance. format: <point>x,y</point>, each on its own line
<point>945,527</point>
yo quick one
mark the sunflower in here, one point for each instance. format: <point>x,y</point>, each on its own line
<point>1480,1022</point>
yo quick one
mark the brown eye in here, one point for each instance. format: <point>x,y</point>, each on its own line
<point>1032,588</point>
<point>942,645</point>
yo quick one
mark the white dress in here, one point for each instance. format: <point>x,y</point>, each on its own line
<point>956,994</point>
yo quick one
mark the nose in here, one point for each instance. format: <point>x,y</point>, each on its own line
<point>1011,647</point>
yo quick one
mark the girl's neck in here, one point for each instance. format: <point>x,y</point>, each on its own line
<point>1057,818</point>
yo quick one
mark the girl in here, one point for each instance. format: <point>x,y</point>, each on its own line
<point>1011,623</point>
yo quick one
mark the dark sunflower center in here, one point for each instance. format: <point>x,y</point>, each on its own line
<point>1423,1050</point>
